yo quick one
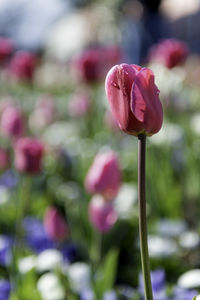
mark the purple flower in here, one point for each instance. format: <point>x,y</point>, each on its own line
<point>183,294</point>
<point>36,237</point>
<point>110,295</point>
<point>8,179</point>
<point>5,288</point>
<point>69,252</point>
<point>87,294</point>
<point>5,250</point>
<point>158,284</point>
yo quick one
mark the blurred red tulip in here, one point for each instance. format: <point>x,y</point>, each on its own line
<point>102,214</point>
<point>12,123</point>
<point>28,155</point>
<point>55,224</point>
<point>93,64</point>
<point>6,49</point>
<point>104,176</point>
<point>169,52</point>
<point>134,99</point>
<point>22,65</point>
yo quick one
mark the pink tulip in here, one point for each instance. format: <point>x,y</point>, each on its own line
<point>104,176</point>
<point>28,155</point>
<point>102,214</point>
<point>169,52</point>
<point>134,99</point>
<point>12,123</point>
<point>4,159</point>
<point>6,49</point>
<point>79,105</point>
<point>23,65</point>
<point>43,115</point>
<point>55,224</point>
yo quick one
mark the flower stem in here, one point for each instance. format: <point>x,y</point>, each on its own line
<point>142,217</point>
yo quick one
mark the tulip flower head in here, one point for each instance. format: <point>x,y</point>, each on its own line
<point>104,176</point>
<point>134,99</point>
<point>12,123</point>
<point>28,155</point>
<point>22,65</point>
<point>6,49</point>
<point>169,52</point>
<point>102,214</point>
<point>55,224</point>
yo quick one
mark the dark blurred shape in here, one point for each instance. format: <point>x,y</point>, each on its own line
<point>142,26</point>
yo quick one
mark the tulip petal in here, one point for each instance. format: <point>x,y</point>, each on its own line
<point>119,82</point>
<point>145,103</point>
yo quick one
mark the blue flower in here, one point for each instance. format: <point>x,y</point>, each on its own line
<point>36,237</point>
<point>5,289</point>
<point>5,250</point>
<point>183,294</point>
<point>8,179</point>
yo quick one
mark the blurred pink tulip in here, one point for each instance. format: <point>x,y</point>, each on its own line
<point>79,105</point>
<point>43,115</point>
<point>169,52</point>
<point>22,65</point>
<point>6,49</point>
<point>134,99</point>
<point>102,214</point>
<point>12,123</point>
<point>28,155</point>
<point>4,159</point>
<point>55,224</point>
<point>104,176</point>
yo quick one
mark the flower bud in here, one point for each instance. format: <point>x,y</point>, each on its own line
<point>134,99</point>
<point>55,224</point>
<point>102,214</point>
<point>28,155</point>
<point>104,176</point>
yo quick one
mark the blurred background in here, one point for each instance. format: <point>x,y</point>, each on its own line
<point>68,175</point>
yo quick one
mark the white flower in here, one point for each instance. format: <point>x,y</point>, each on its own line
<point>4,194</point>
<point>171,228</point>
<point>48,260</point>
<point>26,264</point>
<point>195,123</point>
<point>50,287</point>
<point>161,247</point>
<point>125,201</point>
<point>79,276</point>
<point>190,279</point>
<point>189,239</point>
<point>169,134</point>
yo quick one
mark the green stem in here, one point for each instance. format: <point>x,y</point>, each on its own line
<point>22,207</point>
<point>142,216</point>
